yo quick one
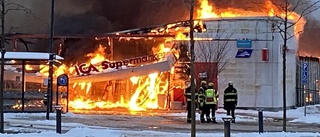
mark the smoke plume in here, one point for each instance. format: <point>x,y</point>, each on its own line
<point>102,16</point>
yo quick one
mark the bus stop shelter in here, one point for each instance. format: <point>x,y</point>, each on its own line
<point>21,92</point>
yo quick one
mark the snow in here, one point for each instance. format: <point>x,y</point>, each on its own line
<point>81,130</point>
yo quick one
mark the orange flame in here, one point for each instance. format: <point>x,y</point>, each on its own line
<point>147,88</point>
<point>209,11</point>
<point>145,95</point>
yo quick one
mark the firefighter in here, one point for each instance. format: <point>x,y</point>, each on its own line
<point>210,103</point>
<point>201,98</point>
<point>230,99</point>
<point>187,94</point>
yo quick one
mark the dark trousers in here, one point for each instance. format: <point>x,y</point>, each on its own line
<point>230,107</point>
<point>232,113</point>
<point>210,108</point>
<point>189,110</point>
<point>202,113</point>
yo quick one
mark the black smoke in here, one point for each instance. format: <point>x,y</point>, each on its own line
<point>102,16</point>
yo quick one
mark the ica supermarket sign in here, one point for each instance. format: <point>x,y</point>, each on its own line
<point>85,69</point>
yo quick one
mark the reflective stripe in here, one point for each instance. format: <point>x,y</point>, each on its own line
<point>230,94</point>
<point>190,94</point>
<point>230,100</point>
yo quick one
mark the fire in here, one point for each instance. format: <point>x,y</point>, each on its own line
<point>58,70</point>
<point>268,9</point>
<point>28,67</point>
<point>98,56</point>
<point>146,90</point>
<point>206,10</point>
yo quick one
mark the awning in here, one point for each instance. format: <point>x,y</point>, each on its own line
<point>161,66</point>
<point>144,70</point>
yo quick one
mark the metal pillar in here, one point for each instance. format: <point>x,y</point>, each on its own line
<point>226,121</point>
<point>304,100</point>
<point>50,77</point>
<point>58,118</point>
<point>3,51</point>
<point>193,107</point>
<point>260,114</point>
<point>23,84</point>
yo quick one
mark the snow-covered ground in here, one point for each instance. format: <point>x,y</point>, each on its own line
<point>81,130</point>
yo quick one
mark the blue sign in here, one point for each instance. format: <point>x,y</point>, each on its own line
<point>244,53</point>
<point>244,43</point>
<point>62,80</point>
<point>304,76</point>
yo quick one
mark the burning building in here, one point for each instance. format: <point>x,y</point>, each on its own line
<point>145,68</point>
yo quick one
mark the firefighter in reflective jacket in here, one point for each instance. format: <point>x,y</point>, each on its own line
<point>201,98</point>
<point>187,94</point>
<point>230,99</point>
<point>210,103</point>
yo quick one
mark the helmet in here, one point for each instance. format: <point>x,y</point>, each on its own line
<point>230,83</point>
<point>203,82</point>
<point>210,84</point>
<point>187,83</point>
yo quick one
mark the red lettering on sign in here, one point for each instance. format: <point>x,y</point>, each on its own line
<point>87,69</point>
<point>104,64</point>
<point>84,69</point>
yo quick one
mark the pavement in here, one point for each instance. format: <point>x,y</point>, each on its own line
<point>156,121</point>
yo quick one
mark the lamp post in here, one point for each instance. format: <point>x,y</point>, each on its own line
<point>50,77</point>
<point>193,107</point>
<point>3,51</point>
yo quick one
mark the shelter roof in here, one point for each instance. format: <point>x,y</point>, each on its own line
<point>29,56</point>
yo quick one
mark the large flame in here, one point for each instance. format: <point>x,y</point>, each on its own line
<point>268,9</point>
<point>145,94</point>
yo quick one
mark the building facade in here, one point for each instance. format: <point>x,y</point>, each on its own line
<point>249,53</point>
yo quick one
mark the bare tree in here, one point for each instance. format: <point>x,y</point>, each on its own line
<point>214,51</point>
<point>290,14</point>
<point>6,6</point>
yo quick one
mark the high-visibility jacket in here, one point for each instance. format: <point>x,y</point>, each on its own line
<point>210,96</point>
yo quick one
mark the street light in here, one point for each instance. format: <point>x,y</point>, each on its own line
<point>3,51</point>
<point>50,77</point>
<point>193,107</point>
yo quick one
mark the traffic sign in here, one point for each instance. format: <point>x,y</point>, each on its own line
<point>305,66</point>
<point>304,76</point>
<point>62,80</point>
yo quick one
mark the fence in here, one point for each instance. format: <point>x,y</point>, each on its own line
<point>308,81</point>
